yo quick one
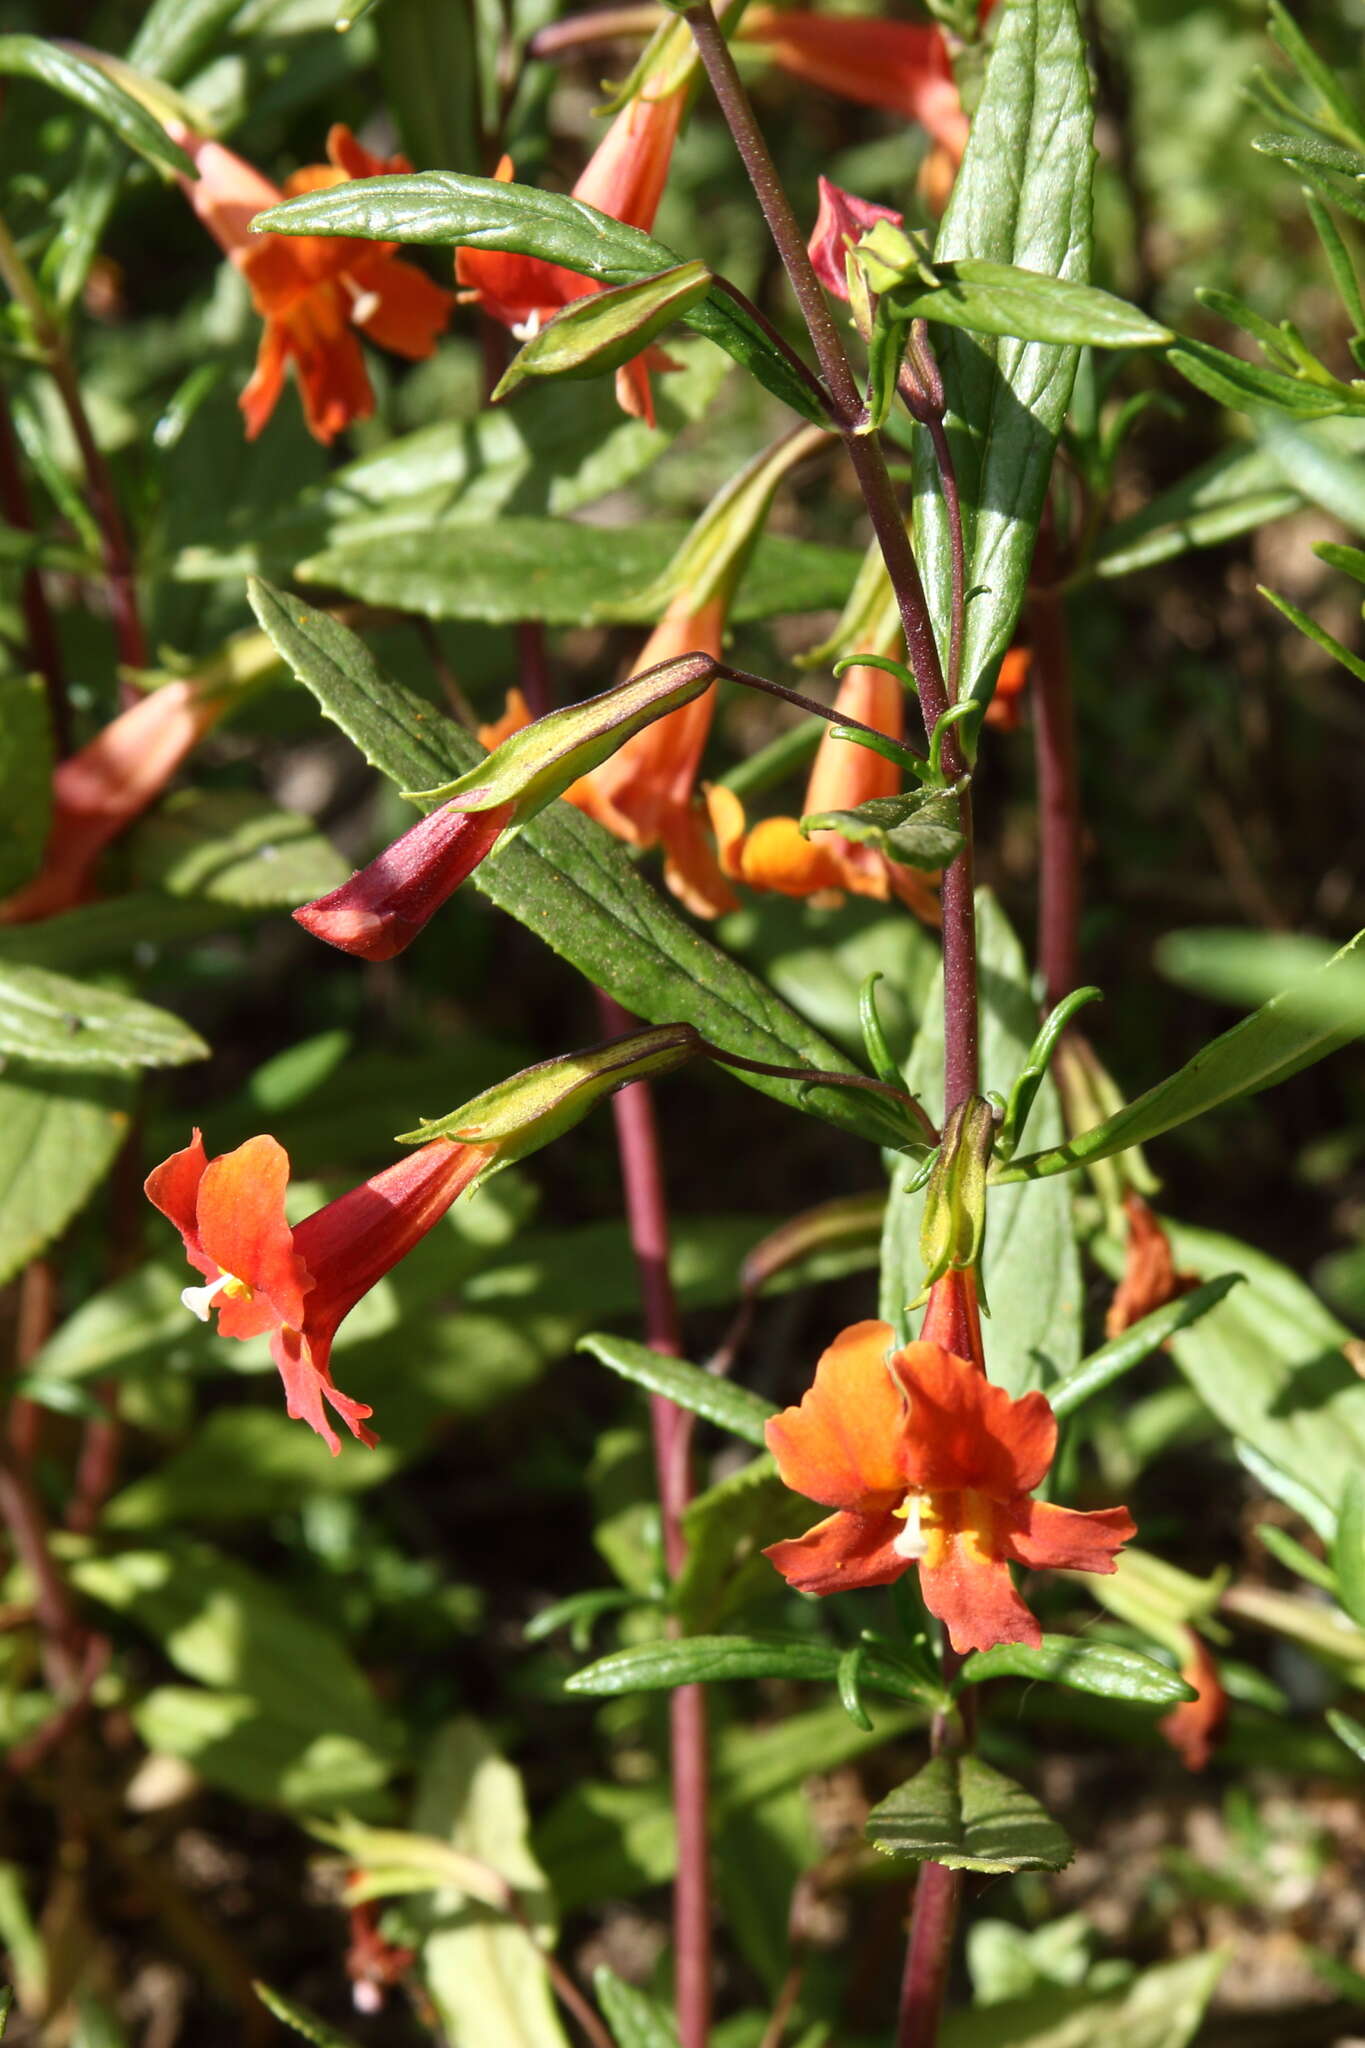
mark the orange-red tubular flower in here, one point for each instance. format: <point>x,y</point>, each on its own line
<point>1193,1728</point>
<point>841,221</point>
<point>298,1284</point>
<point>900,66</point>
<point>382,908</point>
<point>645,793</point>
<point>775,855</point>
<point>1006,708</point>
<point>313,291</point>
<point>927,1464</point>
<point>100,790</point>
<point>625,177</point>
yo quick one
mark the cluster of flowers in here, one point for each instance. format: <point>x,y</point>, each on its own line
<point>926,1464</point>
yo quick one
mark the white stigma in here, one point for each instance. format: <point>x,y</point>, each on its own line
<point>364,305</point>
<point>199,1300</point>
<point>912,1542</point>
<point>529,328</point>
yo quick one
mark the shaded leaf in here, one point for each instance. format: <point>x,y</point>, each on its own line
<point>94,91</point>
<point>633,2016</point>
<point>25,779</point>
<point>1162,2008</point>
<point>234,846</point>
<point>1287,1034</point>
<point>719,1400</point>
<point>715,1660</point>
<point>58,1137</point>
<point>959,1812</point>
<point>301,2019</point>
<point>1348,1551</point>
<point>1134,1344</point>
<point>58,1022</point>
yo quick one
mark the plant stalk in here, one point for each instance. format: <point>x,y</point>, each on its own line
<point>118,559</point>
<point>1059,793</point>
<point>44,648</point>
<point>637,1137</point>
<point>928,1955</point>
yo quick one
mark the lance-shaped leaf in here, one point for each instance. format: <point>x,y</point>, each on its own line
<point>919,829</point>
<point>542,1102</point>
<point>714,1660</point>
<point>601,332</point>
<point>1246,387</point>
<point>568,881</point>
<point>76,78</point>
<point>960,1812</point>
<point>1277,1041</point>
<point>743,1413</point>
<point>1000,298</point>
<point>1021,197</point>
<point>537,764</point>
<point>1105,1669</point>
<point>453,210</point>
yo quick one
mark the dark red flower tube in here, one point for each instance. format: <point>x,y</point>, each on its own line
<point>384,906</point>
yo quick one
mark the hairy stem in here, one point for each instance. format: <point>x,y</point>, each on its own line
<point>637,1138</point>
<point>928,1955</point>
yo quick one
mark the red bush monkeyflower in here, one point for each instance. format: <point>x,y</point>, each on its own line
<point>774,854</point>
<point>900,66</point>
<point>1006,708</point>
<point>99,791</point>
<point>298,1284</point>
<point>313,290</point>
<point>645,793</point>
<point>927,1464</point>
<point>625,178</point>
<point>382,908</point>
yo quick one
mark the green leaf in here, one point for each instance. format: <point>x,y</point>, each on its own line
<point>76,78</point>
<point>301,2019</point>
<point>960,1812</point>
<point>1319,462</point>
<point>1316,633</point>
<point>97,933</point>
<point>1246,967</point>
<point>234,846</point>
<point>1032,1269</point>
<point>706,1394</point>
<point>1269,1363</point>
<point>1246,387</point>
<point>1235,492</point>
<point>241,1465</point>
<point>1311,149</point>
<point>727,1528</point>
<point>25,779</point>
<point>1319,77</point>
<point>446,208</point>
<point>485,1973</point>
<point>566,879</point>
<point>719,1660</point>
<point>280,1713</point>
<point>634,2018</point>
<point>1004,299</point>
<point>58,1022</point>
<point>1279,1040</point>
<point>919,829</point>
<point>1022,197</point>
<point>602,332</point>
<point>1347,1730</point>
<point>1162,2008</point>
<point>1348,1551</point>
<point>1106,1670</point>
<point>1139,1341</point>
<point>561,572</point>
<point>429,62</point>
<point>58,1137</point>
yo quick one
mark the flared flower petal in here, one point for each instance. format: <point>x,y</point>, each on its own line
<point>297,1285</point>
<point>384,906</point>
<point>840,1554</point>
<point>842,1445</point>
<point>312,291</point>
<point>963,1433</point>
<point>1045,1537</point>
<point>968,1586</point>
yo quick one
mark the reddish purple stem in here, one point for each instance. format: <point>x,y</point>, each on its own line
<point>637,1137</point>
